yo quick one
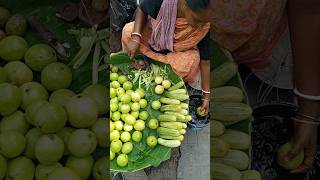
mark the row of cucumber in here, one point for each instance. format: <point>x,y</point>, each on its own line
<point>229,150</point>
<point>174,116</point>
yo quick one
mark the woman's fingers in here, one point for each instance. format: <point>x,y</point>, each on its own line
<point>295,150</point>
<point>307,164</point>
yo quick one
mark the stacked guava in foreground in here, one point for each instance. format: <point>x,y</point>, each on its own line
<point>47,131</point>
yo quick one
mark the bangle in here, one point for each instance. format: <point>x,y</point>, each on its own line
<point>304,121</point>
<point>134,40</point>
<point>308,117</point>
<point>305,96</point>
<point>205,92</point>
<point>137,34</point>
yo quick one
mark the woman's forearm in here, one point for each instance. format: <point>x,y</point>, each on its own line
<point>205,77</point>
<point>304,21</point>
<point>140,21</point>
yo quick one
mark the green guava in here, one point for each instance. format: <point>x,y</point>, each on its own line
<point>81,166</point>
<point>56,76</point>
<point>100,129</point>
<point>50,118</point>
<point>63,173</point>
<point>99,94</point>
<point>136,136</point>
<point>122,160</point>
<point>127,148</point>
<point>82,143</point>
<point>16,25</point>
<point>49,149</point>
<point>10,98</point>
<point>3,167</point>
<point>12,144</point>
<point>18,73</point>
<point>100,169</point>
<point>39,56</point>
<point>32,109</point>
<point>13,48</point>
<point>152,141</point>
<point>114,135</point>
<point>292,164</point>
<point>65,134</point>
<point>43,171</point>
<point>61,96</point>
<point>153,123</point>
<point>32,92</point>
<point>20,168</point>
<point>14,122</point>
<point>32,137</point>
<point>4,16</point>
<point>82,111</point>
<point>3,75</point>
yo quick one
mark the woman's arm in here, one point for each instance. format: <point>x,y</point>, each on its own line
<point>304,20</point>
<point>140,22</point>
<point>205,80</point>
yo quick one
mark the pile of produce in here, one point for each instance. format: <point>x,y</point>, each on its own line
<point>148,113</point>
<point>230,137</point>
<point>47,130</point>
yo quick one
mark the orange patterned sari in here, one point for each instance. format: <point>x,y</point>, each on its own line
<point>185,57</point>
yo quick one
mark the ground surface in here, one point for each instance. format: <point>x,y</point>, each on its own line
<point>194,162</point>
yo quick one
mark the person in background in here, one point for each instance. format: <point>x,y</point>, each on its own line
<point>174,32</point>
<point>253,30</point>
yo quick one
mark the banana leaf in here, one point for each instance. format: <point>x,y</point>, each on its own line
<point>142,155</point>
<point>45,11</point>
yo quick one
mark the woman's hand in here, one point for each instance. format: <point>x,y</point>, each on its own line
<point>133,46</point>
<point>205,106</point>
<point>305,138</point>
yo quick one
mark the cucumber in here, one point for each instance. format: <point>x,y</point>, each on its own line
<point>180,97</point>
<point>236,139</point>
<point>169,101</point>
<point>230,112</point>
<point>173,125</point>
<point>168,132</point>
<point>223,172</point>
<point>250,175</point>
<point>235,158</point>
<point>217,128</point>
<point>179,91</point>
<point>180,138</point>
<point>184,112</point>
<point>184,106</point>
<point>227,94</point>
<point>169,143</point>
<point>188,118</point>
<point>167,118</point>
<point>224,73</point>
<point>220,148</point>
<point>171,107</point>
<point>182,131</point>
<point>176,86</point>
<point>179,116</point>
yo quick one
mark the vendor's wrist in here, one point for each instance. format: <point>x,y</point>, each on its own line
<point>136,38</point>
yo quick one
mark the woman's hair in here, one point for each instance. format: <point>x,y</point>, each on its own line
<point>196,5</point>
<point>195,11</point>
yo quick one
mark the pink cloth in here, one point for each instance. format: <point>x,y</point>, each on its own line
<point>163,32</point>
